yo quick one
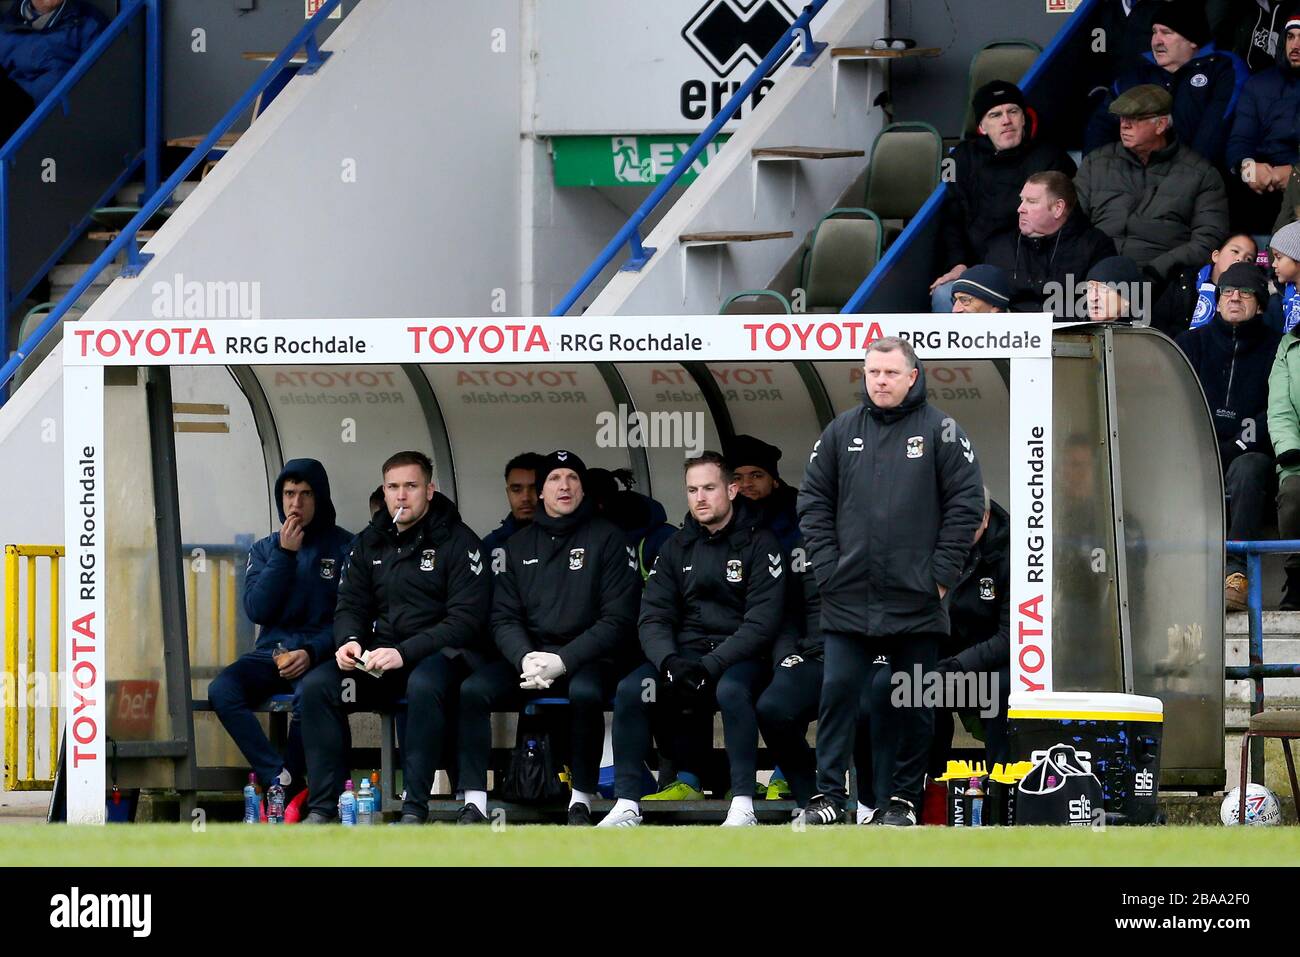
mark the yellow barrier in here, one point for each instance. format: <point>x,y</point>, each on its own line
<point>221,608</point>
<point>13,694</point>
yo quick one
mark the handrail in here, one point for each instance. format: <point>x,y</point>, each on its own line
<point>57,97</point>
<point>628,234</point>
<point>305,38</point>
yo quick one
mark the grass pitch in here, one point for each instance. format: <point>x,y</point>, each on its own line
<point>238,845</point>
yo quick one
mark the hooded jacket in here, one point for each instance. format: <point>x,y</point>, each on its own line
<point>569,587</point>
<point>1252,29</point>
<point>889,506</point>
<point>1232,363</point>
<point>1284,401</point>
<point>644,524</point>
<point>1266,127</point>
<point>494,542</point>
<point>980,609</point>
<point>982,200</point>
<point>423,590</point>
<point>38,59</point>
<point>720,594</point>
<point>1205,92</point>
<point>1168,214</point>
<point>1032,263</point>
<point>291,595</point>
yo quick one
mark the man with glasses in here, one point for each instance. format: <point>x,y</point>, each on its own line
<point>1163,203</point>
<point>1232,356</point>
<point>982,288</point>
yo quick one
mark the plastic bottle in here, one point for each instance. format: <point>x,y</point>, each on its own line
<point>379,796</point>
<point>365,803</point>
<point>975,795</point>
<point>252,810</point>
<point>275,803</point>
<point>348,806</point>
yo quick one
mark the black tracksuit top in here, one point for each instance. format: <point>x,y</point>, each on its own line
<point>720,594</point>
<point>570,587</point>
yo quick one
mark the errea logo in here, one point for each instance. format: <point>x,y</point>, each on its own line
<point>76,910</point>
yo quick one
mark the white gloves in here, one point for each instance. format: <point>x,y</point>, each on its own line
<point>541,668</point>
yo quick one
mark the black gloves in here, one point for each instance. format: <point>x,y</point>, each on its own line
<point>1289,457</point>
<point>946,665</point>
<point>685,675</point>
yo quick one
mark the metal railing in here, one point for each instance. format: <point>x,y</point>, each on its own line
<point>20,698</point>
<point>304,39</point>
<point>1258,670</point>
<point>215,625</point>
<point>630,233</point>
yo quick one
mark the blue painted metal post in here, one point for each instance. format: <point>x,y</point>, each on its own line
<point>152,99</point>
<point>1255,606</point>
<point>4,268</point>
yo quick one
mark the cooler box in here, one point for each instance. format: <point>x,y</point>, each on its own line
<point>1121,732</point>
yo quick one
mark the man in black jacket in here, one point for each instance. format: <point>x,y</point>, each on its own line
<point>711,610</point>
<point>563,612</point>
<point>1052,249</point>
<point>1232,356</point>
<point>889,506</point>
<point>989,167</point>
<point>411,622</point>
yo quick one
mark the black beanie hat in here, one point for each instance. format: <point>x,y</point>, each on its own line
<point>561,459</point>
<point>747,450</point>
<point>1186,18</point>
<point>996,94</point>
<point>1246,276</point>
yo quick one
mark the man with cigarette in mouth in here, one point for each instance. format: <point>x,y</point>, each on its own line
<point>290,588</point>
<point>411,622</point>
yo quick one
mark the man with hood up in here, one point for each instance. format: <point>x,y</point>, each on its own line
<point>411,622</point>
<point>889,507</point>
<point>290,589</point>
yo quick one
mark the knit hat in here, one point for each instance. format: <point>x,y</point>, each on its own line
<point>1187,19</point>
<point>561,459</point>
<point>1116,269</point>
<point>747,450</point>
<point>1245,276</point>
<point>1287,241</point>
<point>986,283</point>
<point>997,93</point>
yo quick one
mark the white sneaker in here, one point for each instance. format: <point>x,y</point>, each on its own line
<point>866,814</point>
<point>624,818</point>
<point>739,818</point>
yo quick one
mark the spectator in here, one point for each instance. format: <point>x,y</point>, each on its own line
<point>642,519</point>
<point>521,496</point>
<point>1284,429</point>
<point>1265,138</point>
<point>1054,242</point>
<point>1202,82</point>
<point>981,288</point>
<point>1126,25</point>
<point>376,500</point>
<point>41,40</point>
<point>1191,299</point>
<point>290,590</point>
<point>1115,291</point>
<point>990,167</point>
<point>1251,30</point>
<point>1163,204</point>
<point>1290,208</point>
<point>1232,356</point>
<point>1284,308</point>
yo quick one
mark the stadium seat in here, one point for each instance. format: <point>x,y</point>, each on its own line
<point>902,173</point>
<point>846,245</point>
<point>756,302</point>
<point>1284,725</point>
<point>1000,60</point>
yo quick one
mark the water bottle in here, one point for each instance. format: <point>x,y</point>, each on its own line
<point>252,808</point>
<point>365,804</point>
<point>976,798</point>
<point>275,802</point>
<point>348,806</point>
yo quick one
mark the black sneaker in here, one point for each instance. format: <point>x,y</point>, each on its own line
<point>470,814</point>
<point>822,810</point>
<point>899,814</point>
<point>579,815</point>
<point>407,818</point>
<point>318,817</point>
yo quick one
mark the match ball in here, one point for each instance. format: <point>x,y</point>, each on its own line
<point>1262,807</point>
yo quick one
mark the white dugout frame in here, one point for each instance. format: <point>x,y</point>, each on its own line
<point>89,347</point>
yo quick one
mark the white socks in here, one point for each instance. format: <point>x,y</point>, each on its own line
<point>625,804</point>
<point>745,804</point>
<point>581,797</point>
<point>478,799</point>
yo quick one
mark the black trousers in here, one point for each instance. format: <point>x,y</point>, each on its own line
<point>330,694</point>
<point>495,687</point>
<point>907,726</point>
<point>1288,517</point>
<point>1248,484</point>
<point>684,726</point>
<point>997,743</point>
<point>243,685</point>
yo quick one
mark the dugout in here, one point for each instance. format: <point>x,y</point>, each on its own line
<point>192,452</point>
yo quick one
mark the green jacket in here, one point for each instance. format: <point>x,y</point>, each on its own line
<point>1284,402</point>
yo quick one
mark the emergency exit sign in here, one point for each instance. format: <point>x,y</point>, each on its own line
<point>626,160</point>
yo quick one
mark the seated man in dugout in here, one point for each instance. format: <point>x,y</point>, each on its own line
<point>521,497</point>
<point>290,589</point>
